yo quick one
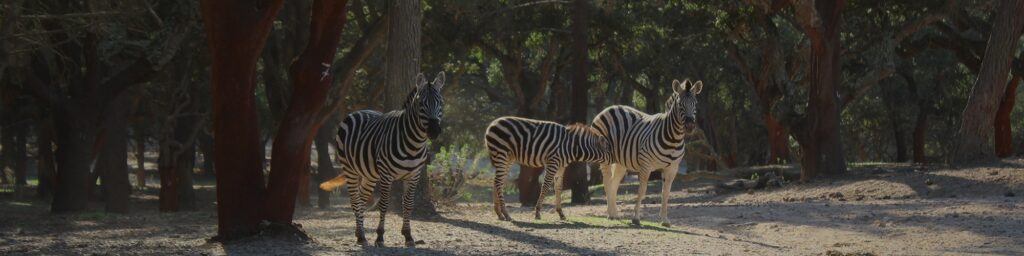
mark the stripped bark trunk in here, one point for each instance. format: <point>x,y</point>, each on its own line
<point>1003,130</point>
<point>236,32</point>
<point>821,142</point>
<point>974,133</point>
<point>311,80</point>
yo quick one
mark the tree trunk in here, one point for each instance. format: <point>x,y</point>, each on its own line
<point>76,132</point>
<point>140,159</point>
<point>778,140</point>
<point>206,147</point>
<point>325,167</point>
<point>575,176</point>
<point>920,128</point>
<point>402,56</point>
<point>974,133</point>
<point>236,32</point>
<point>822,145</point>
<point>311,83</point>
<point>45,158</point>
<point>1004,133</point>
<point>891,102</point>
<point>20,157</point>
<point>528,184</point>
<point>112,162</point>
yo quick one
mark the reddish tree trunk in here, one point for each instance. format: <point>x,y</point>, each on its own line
<point>778,140</point>
<point>1004,133</point>
<point>236,32</point>
<point>290,156</point>
<point>974,133</point>
<point>821,143</point>
<point>920,128</point>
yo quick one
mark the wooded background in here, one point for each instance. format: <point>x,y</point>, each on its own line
<point>86,84</point>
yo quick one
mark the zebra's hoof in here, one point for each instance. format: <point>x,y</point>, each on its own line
<point>410,244</point>
<point>666,224</point>
<point>636,222</point>
<point>379,243</point>
<point>562,217</point>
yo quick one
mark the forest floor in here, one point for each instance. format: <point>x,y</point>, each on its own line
<point>876,209</point>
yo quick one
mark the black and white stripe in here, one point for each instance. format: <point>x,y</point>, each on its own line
<point>646,143</point>
<point>382,148</point>
<point>539,143</point>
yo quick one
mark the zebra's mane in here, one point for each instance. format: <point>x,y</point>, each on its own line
<point>583,129</point>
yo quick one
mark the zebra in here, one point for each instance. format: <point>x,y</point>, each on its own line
<point>376,147</point>
<point>539,143</point>
<point>645,143</point>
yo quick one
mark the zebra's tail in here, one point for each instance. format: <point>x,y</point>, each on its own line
<point>330,185</point>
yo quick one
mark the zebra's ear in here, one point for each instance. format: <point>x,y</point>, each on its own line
<point>439,81</point>
<point>696,87</point>
<point>676,86</point>
<point>421,80</point>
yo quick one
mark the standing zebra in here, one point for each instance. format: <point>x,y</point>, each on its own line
<point>645,143</point>
<point>384,147</point>
<point>538,143</point>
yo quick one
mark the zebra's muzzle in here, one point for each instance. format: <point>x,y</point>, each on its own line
<point>689,122</point>
<point>433,128</point>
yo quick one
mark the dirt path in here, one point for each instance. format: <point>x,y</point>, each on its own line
<point>882,212</point>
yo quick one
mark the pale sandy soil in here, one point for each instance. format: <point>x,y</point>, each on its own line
<point>879,209</point>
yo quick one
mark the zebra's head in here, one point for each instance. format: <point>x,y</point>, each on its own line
<point>684,101</point>
<point>430,103</point>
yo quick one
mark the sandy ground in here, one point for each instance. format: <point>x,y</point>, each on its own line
<point>875,210</point>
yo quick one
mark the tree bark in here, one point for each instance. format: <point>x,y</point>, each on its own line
<point>112,162</point>
<point>76,132</point>
<point>45,159</point>
<point>311,83</point>
<point>575,176</point>
<point>236,32</point>
<point>1004,132</point>
<point>206,147</point>
<point>920,128</point>
<point>822,145</point>
<point>140,159</point>
<point>325,167</point>
<point>974,133</point>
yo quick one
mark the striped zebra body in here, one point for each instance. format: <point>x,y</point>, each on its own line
<point>537,143</point>
<point>646,143</point>
<point>381,148</point>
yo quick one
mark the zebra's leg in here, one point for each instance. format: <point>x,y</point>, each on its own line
<point>549,178</point>
<point>558,193</point>
<point>644,175</point>
<point>383,203</point>
<point>611,189</point>
<point>667,176</point>
<point>500,172</point>
<point>407,204</point>
<point>358,196</point>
